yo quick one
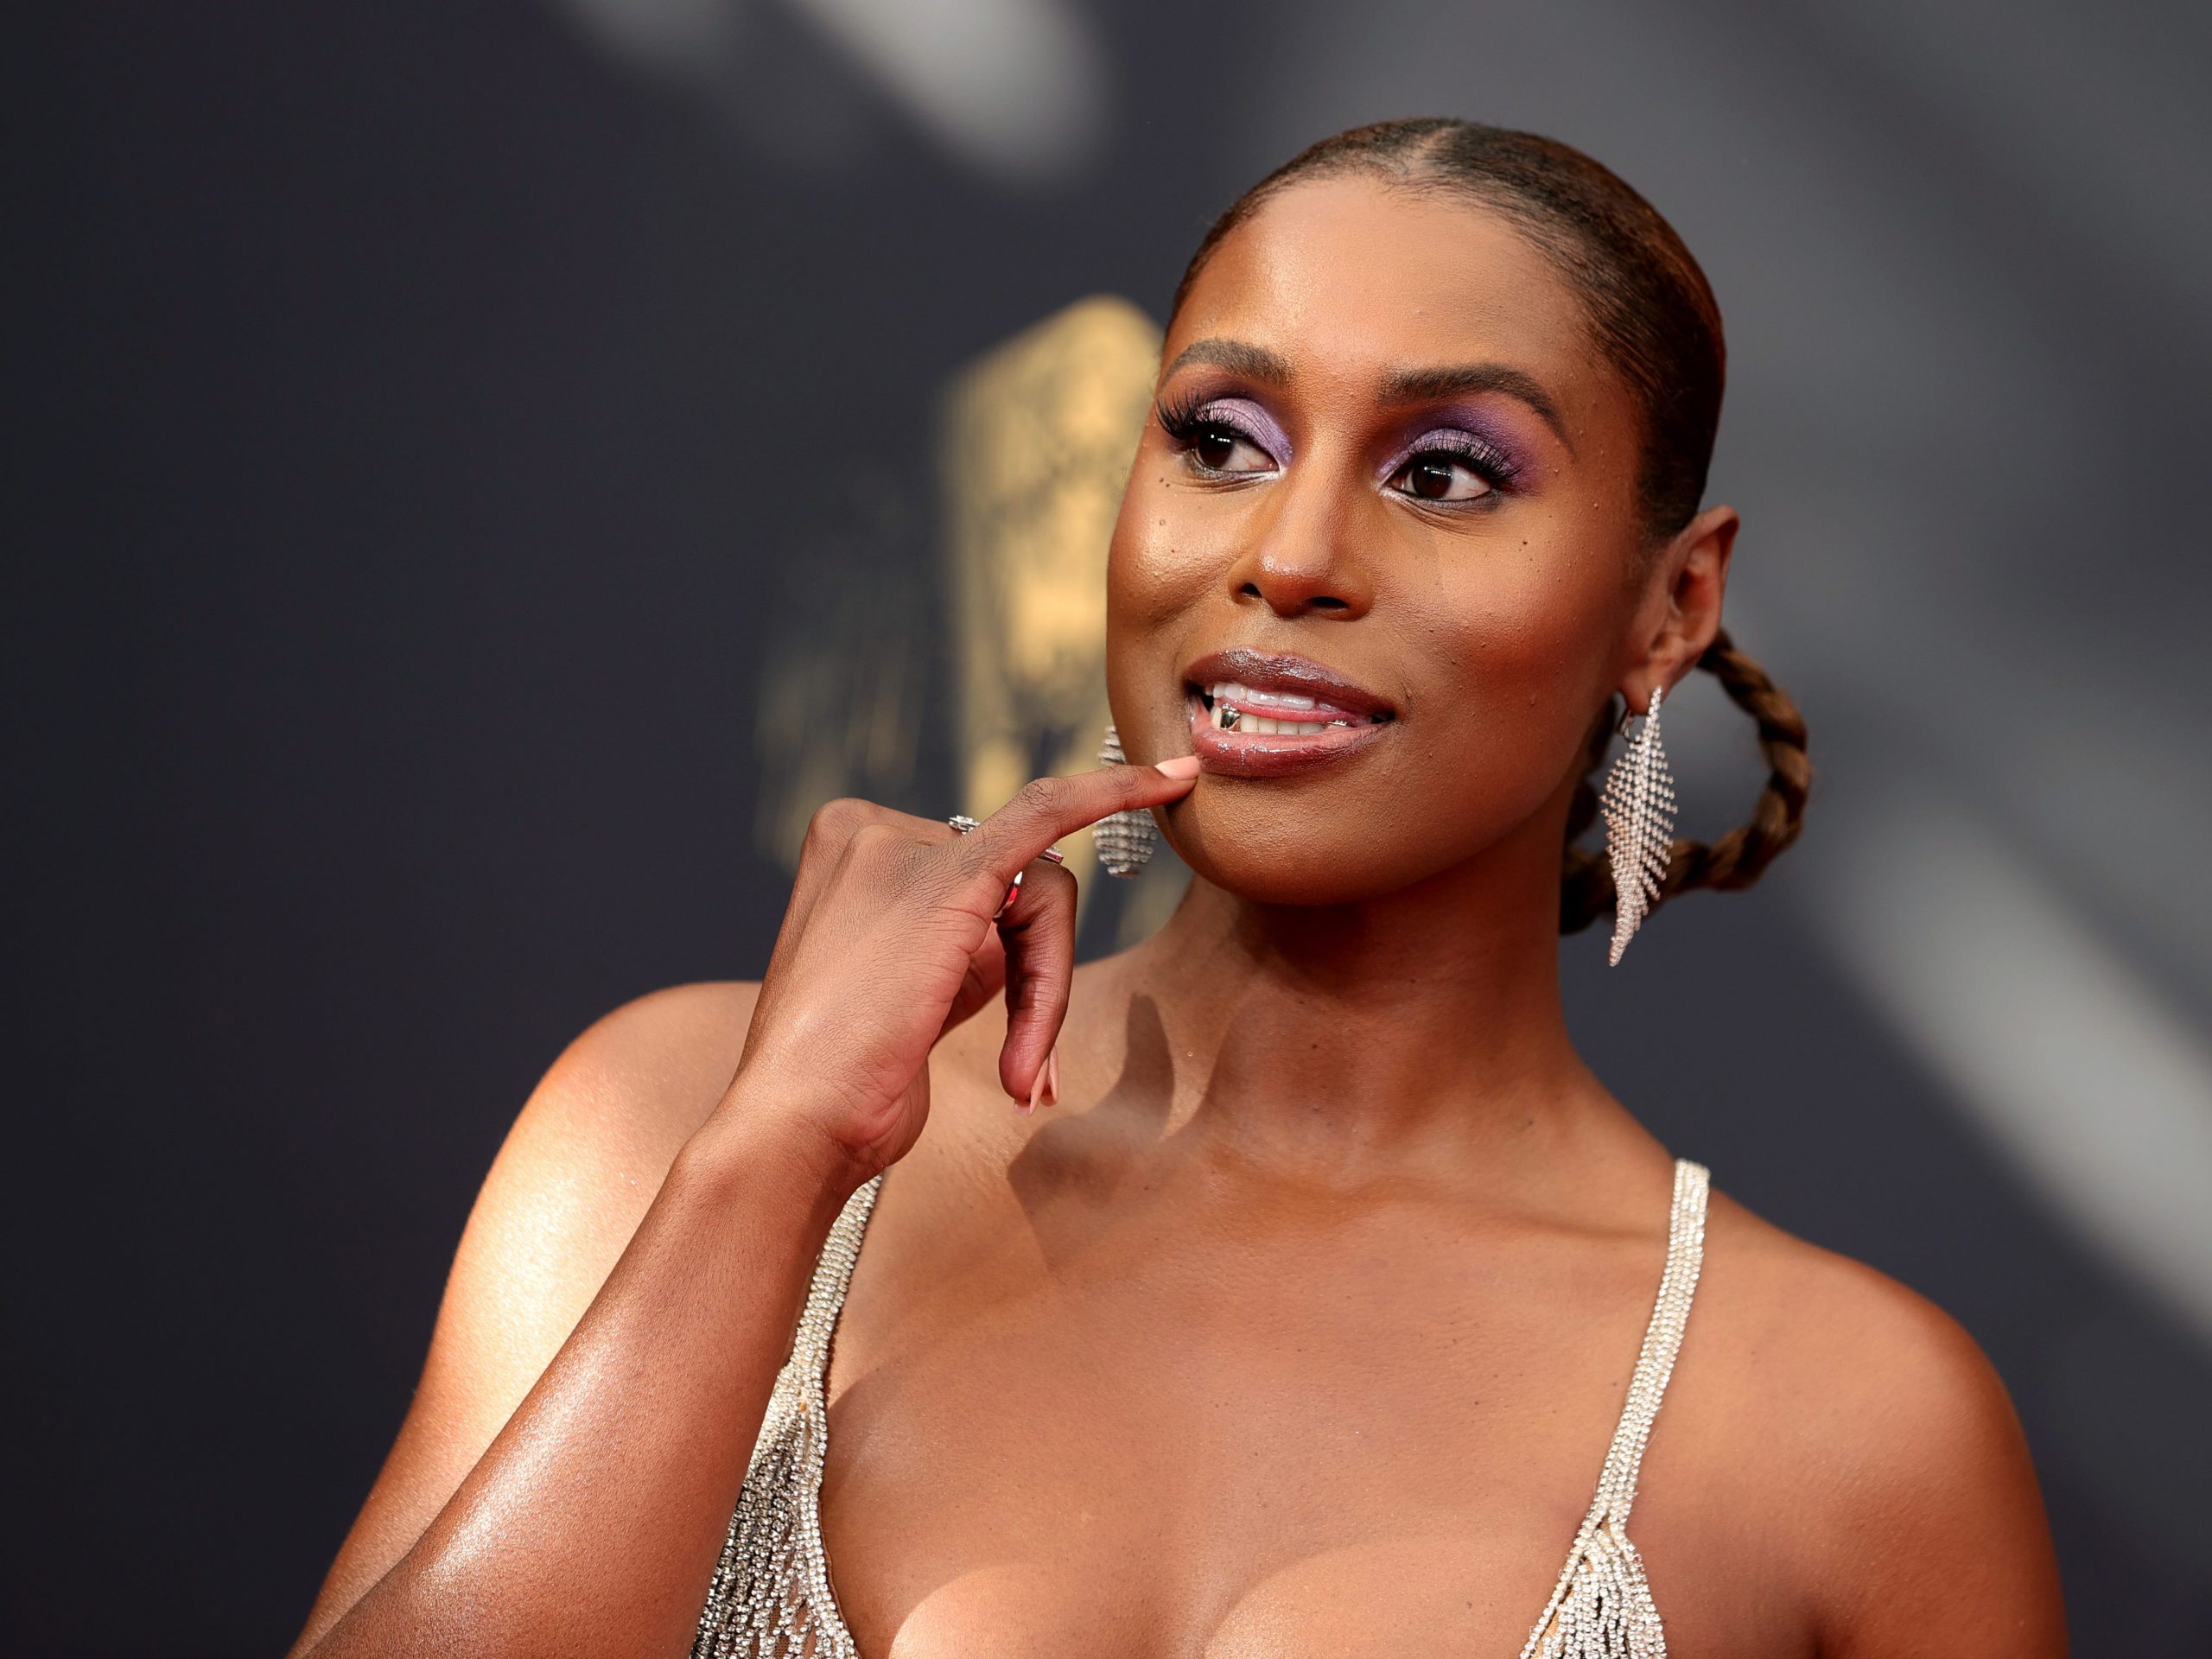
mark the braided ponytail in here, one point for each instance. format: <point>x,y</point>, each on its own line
<point>1736,859</point>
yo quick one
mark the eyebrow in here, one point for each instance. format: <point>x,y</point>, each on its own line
<point>1401,386</point>
<point>1420,385</point>
<point>1237,357</point>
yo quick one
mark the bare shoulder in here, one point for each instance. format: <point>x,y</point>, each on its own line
<point>647,1074</point>
<point>585,1157</point>
<point>1883,1355</point>
<point>1884,1442</point>
<point>590,1148</point>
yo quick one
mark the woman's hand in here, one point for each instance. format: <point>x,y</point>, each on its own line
<point>889,942</point>
<point>602,1451</point>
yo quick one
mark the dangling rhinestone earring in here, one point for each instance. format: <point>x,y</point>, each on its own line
<point>1639,806</point>
<point>1125,840</point>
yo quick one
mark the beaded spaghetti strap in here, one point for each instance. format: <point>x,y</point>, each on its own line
<point>1601,1608</point>
<point>770,1596</point>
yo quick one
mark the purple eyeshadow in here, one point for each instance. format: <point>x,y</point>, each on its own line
<point>1491,432</point>
<point>1242,415</point>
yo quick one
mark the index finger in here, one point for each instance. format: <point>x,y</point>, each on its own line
<point>1046,809</point>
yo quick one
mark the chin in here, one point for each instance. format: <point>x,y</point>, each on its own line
<point>1274,846</point>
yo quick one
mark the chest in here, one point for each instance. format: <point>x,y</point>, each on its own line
<point>1217,1442</point>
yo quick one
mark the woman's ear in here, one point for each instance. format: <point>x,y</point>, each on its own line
<point>1680,611</point>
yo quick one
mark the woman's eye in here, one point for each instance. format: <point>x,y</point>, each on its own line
<point>1224,450</point>
<point>1441,478</point>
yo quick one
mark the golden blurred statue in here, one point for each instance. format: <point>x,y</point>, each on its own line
<point>1035,442</point>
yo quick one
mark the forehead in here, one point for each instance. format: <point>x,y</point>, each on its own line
<point>1350,279</point>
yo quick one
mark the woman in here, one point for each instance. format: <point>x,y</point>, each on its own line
<point>1302,1317</point>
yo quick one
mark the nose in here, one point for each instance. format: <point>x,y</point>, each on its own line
<point>1298,560</point>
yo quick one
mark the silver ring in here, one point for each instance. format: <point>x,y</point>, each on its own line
<point>963,823</point>
<point>1013,889</point>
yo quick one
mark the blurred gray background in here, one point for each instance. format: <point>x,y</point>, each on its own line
<point>424,419</point>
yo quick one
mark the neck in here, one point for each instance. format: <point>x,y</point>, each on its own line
<point>1357,1038</point>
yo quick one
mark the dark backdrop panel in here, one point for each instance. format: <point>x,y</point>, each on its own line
<point>417,414</point>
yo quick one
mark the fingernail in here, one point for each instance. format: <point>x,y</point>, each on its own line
<point>1181,766</point>
<point>1036,1089</point>
<point>1053,1078</point>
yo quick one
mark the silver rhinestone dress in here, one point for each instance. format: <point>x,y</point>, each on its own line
<point>771,1597</point>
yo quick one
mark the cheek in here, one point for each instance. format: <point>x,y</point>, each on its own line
<point>1152,584</point>
<point>1527,617</point>
<point>1514,651</point>
<point>1164,568</point>
<point>1155,566</point>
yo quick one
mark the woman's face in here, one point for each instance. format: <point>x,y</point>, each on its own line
<point>1386,470</point>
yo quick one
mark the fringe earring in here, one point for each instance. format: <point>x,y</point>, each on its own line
<point>1125,840</point>
<point>1639,807</point>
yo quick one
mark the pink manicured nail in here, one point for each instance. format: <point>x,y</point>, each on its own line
<point>1036,1089</point>
<point>1181,766</point>
<point>1053,1078</point>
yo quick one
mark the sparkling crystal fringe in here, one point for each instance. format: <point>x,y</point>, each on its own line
<point>1639,807</point>
<point>770,1596</point>
<point>1125,841</point>
<point>1601,1608</point>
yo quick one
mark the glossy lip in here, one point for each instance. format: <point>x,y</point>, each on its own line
<point>1268,671</point>
<point>1250,754</point>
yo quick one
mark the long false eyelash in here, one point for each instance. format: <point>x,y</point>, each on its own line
<point>1185,420</point>
<point>1491,464</point>
<point>1178,416</point>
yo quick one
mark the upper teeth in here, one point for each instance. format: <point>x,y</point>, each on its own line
<point>1232,703</point>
